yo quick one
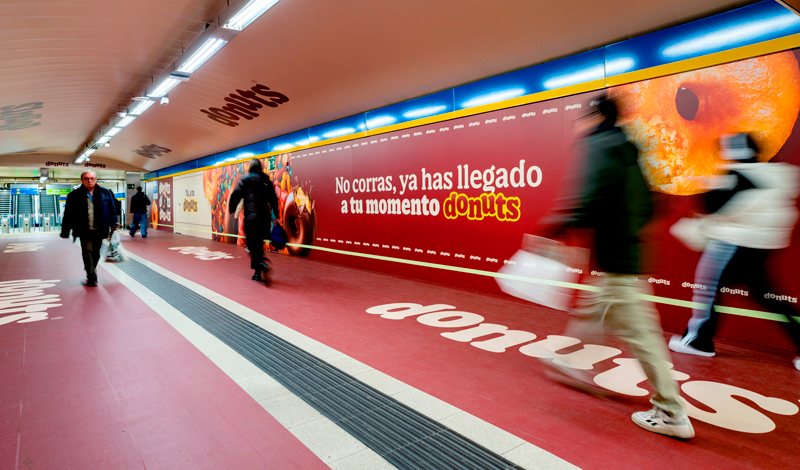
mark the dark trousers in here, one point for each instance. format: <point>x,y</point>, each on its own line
<point>748,267</point>
<point>90,248</point>
<point>254,238</point>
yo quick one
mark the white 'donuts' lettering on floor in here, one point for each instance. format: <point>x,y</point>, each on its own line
<point>201,252</point>
<point>728,412</point>
<point>25,301</point>
<point>22,247</point>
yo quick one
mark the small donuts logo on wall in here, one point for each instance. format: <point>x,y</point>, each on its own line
<point>624,378</point>
<point>244,104</point>
<point>202,253</point>
<point>25,301</point>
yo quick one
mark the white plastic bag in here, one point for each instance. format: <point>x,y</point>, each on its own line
<point>114,252</point>
<point>690,233</point>
<point>535,272</point>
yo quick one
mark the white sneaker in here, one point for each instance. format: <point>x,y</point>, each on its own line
<point>797,363</point>
<point>658,421</point>
<point>676,345</point>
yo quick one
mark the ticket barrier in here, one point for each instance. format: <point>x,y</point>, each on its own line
<point>5,225</point>
<point>26,224</point>
<point>46,224</point>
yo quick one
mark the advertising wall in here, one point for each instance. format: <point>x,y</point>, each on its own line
<point>450,198</point>
<point>191,210</point>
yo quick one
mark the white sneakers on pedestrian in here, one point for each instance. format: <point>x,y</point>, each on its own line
<point>676,345</point>
<point>659,421</point>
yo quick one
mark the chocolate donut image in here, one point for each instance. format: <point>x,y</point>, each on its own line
<point>299,221</point>
<point>676,121</point>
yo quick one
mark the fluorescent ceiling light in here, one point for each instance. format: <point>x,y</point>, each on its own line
<point>112,132</point>
<point>730,36</point>
<point>338,132</point>
<point>381,121</point>
<point>249,13</point>
<point>424,111</point>
<point>124,122</point>
<point>103,139</point>
<point>493,97</point>
<point>141,107</point>
<point>162,89</point>
<point>200,57</point>
<point>574,77</point>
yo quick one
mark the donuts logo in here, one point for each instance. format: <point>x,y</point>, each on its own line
<point>244,104</point>
<point>189,205</point>
<point>486,205</point>
<point>25,301</point>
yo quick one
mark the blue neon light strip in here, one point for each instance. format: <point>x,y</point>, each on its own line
<point>745,26</point>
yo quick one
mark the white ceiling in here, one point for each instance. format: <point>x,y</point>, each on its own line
<point>85,59</point>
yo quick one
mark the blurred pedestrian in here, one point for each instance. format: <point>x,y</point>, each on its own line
<point>753,211</point>
<point>90,213</point>
<point>260,209</point>
<point>139,203</point>
<point>616,204</point>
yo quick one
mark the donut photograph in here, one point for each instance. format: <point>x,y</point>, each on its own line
<point>676,121</point>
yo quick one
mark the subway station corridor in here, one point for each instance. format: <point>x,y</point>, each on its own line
<point>178,360</point>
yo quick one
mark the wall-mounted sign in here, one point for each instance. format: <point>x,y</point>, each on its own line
<point>58,190</point>
<point>18,191</point>
<point>20,116</point>
<point>243,104</point>
<point>131,186</point>
<point>152,151</point>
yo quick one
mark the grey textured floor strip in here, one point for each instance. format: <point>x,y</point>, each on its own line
<point>402,436</point>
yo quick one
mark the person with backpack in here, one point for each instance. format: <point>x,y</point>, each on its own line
<point>139,203</point>
<point>752,212</point>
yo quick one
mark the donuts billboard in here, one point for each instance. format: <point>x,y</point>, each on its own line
<point>461,193</point>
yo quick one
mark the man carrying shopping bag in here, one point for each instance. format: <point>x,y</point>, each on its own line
<point>616,204</point>
<point>90,213</point>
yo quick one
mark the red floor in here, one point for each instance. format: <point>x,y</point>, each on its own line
<point>106,383</point>
<point>121,380</point>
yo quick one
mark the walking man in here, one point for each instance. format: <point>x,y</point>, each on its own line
<point>90,213</point>
<point>616,204</point>
<point>260,209</point>
<point>139,203</point>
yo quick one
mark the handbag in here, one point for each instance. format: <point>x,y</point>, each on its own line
<point>541,271</point>
<point>690,233</point>
<point>114,252</point>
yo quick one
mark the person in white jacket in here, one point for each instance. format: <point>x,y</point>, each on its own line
<point>752,212</point>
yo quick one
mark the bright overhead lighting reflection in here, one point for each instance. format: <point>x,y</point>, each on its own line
<point>249,13</point>
<point>245,155</point>
<point>380,121</point>
<point>211,46</point>
<point>338,132</point>
<point>493,97</point>
<point>574,77</point>
<point>113,131</point>
<point>125,121</point>
<point>619,65</point>
<point>730,36</point>
<point>282,147</point>
<point>140,107</point>
<point>103,140</point>
<point>164,88</point>
<point>424,112</point>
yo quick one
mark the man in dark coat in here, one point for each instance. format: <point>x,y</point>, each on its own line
<point>90,213</point>
<point>616,204</point>
<point>260,209</point>
<point>139,203</point>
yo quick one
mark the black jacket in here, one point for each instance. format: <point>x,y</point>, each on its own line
<point>139,203</point>
<point>76,216</point>
<point>260,201</point>
<point>616,202</point>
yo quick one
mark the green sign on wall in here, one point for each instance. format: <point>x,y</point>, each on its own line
<point>58,190</point>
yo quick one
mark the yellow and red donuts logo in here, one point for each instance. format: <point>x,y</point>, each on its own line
<point>190,205</point>
<point>505,209</point>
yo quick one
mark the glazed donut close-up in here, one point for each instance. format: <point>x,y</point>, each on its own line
<point>676,121</point>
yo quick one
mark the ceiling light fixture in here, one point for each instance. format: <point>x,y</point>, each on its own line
<point>162,89</point>
<point>113,131</point>
<point>140,107</point>
<point>125,121</point>
<point>103,140</point>
<point>211,46</point>
<point>249,13</point>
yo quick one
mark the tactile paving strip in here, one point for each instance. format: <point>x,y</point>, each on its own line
<point>402,436</point>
